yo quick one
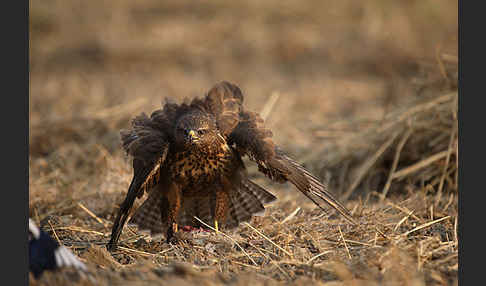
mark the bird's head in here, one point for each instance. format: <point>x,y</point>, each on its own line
<point>196,130</point>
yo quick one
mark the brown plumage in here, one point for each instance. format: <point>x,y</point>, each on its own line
<point>187,157</point>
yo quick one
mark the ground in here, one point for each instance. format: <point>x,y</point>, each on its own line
<point>320,74</point>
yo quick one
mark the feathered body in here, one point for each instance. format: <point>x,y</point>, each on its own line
<point>188,158</point>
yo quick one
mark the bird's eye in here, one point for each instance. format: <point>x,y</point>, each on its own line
<point>201,131</point>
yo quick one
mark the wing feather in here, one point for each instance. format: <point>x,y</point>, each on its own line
<point>307,183</point>
<point>251,138</point>
<point>224,101</point>
<point>148,145</point>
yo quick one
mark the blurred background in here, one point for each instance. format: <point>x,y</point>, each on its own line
<point>96,64</point>
<point>329,59</point>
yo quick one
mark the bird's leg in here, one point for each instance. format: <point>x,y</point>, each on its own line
<point>222,201</point>
<point>174,198</point>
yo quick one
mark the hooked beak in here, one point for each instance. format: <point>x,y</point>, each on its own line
<point>192,136</point>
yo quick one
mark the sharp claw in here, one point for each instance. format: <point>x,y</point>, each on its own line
<point>171,232</point>
<point>216,226</point>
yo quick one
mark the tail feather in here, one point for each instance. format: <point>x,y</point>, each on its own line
<point>149,215</point>
<point>261,194</point>
<point>201,207</point>
<point>246,200</point>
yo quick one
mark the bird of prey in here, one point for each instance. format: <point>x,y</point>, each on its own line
<point>46,254</point>
<point>188,158</point>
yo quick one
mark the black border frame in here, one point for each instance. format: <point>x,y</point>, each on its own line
<point>18,176</point>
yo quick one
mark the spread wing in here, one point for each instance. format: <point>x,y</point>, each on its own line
<point>251,138</point>
<point>224,101</point>
<point>148,145</point>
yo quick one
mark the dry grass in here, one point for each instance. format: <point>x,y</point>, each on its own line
<point>363,94</point>
<point>415,145</point>
<point>395,242</point>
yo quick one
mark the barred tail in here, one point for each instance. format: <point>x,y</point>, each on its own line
<point>150,215</point>
<point>246,201</point>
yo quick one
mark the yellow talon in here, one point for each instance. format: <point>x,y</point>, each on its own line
<point>216,226</point>
<point>175,227</point>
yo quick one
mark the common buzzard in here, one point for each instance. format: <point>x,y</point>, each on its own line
<point>188,157</point>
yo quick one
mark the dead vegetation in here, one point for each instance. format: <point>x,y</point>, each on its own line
<point>409,239</point>
<point>412,241</point>
<point>413,146</point>
<point>374,118</point>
